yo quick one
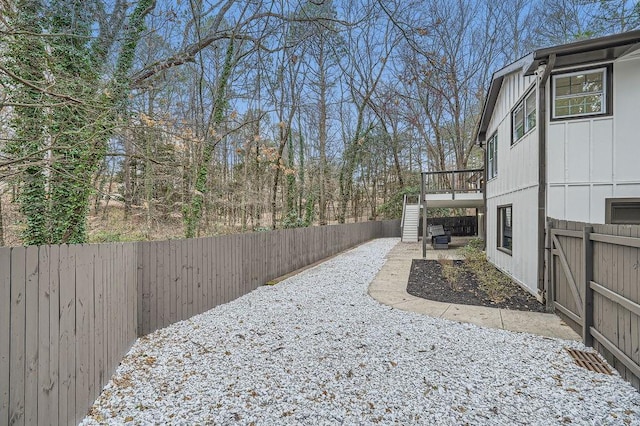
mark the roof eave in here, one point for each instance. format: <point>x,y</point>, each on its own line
<point>587,51</point>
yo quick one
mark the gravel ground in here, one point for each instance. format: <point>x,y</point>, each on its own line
<point>316,349</point>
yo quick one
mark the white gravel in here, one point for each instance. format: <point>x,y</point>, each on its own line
<point>316,349</point>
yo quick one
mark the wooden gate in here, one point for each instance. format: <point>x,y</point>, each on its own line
<point>594,283</point>
<point>565,271</point>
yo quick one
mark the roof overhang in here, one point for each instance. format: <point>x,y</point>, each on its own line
<point>583,52</point>
<point>587,51</point>
<point>494,90</point>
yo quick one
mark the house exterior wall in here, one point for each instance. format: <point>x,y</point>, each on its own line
<point>516,184</point>
<point>590,159</point>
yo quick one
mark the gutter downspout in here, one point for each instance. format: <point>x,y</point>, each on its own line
<point>542,174</point>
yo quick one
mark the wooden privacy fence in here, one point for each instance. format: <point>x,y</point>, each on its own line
<point>594,282</point>
<point>67,317</point>
<point>181,278</point>
<point>69,313</point>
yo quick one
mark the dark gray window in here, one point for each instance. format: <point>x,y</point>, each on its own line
<point>622,211</point>
<point>492,156</point>
<point>523,117</point>
<point>505,229</point>
<point>580,93</point>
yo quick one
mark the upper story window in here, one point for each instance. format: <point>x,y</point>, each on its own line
<point>581,93</point>
<point>492,156</point>
<point>523,117</point>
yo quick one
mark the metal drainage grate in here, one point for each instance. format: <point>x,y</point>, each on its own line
<point>589,360</point>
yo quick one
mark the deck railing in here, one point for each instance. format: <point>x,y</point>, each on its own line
<point>452,181</point>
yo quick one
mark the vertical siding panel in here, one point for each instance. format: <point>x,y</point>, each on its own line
<point>31,337</point>
<point>5,331</point>
<point>17,346</point>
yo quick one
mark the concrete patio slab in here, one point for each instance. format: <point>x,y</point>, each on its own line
<point>530,322</point>
<point>479,315</point>
<point>390,288</point>
<point>425,307</point>
<point>393,298</point>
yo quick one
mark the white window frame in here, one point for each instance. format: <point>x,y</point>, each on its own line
<point>492,156</point>
<point>502,228</point>
<point>521,107</point>
<point>604,93</point>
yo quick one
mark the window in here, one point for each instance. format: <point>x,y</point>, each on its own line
<point>523,117</point>
<point>581,93</point>
<point>492,156</point>
<point>622,211</point>
<point>505,229</point>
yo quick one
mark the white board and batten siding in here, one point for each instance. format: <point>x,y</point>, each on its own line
<point>592,159</point>
<point>516,184</point>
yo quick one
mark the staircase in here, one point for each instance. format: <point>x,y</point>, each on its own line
<point>410,219</point>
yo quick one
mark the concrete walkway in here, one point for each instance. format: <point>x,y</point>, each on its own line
<point>390,287</point>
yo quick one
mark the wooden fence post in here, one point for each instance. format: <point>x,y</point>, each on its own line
<point>587,265</point>
<point>548,277</point>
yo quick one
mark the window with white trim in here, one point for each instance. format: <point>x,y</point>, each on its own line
<point>505,228</point>
<point>523,117</point>
<point>580,93</point>
<point>622,211</point>
<point>492,156</point>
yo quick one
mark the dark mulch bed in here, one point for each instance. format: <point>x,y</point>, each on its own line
<point>426,281</point>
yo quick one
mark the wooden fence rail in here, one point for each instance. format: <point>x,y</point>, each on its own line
<point>69,313</point>
<point>594,275</point>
